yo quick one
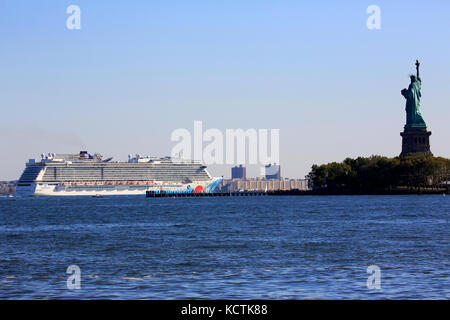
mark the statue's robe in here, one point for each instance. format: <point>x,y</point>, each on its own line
<point>413,95</point>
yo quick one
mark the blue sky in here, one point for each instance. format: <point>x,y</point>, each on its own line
<point>137,70</point>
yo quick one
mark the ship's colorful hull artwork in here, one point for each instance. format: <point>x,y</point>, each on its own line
<point>208,189</point>
<point>84,174</point>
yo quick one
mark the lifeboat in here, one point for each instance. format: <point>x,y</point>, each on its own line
<point>99,183</point>
<point>79,183</point>
<point>89,183</point>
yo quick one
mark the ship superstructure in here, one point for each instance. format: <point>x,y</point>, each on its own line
<point>86,174</point>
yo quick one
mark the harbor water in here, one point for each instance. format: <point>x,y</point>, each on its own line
<point>296,247</point>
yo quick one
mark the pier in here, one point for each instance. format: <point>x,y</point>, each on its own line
<point>165,194</point>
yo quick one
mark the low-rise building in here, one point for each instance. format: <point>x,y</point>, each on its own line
<point>257,184</point>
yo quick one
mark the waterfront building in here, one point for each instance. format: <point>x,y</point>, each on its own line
<point>257,184</point>
<point>238,172</point>
<point>272,171</point>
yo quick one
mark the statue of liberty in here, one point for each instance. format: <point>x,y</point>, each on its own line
<point>412,95</point>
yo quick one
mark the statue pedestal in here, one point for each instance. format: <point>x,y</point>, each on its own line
<point>415,140</point>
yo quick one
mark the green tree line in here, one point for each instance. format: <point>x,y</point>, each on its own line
<point>382,173</point>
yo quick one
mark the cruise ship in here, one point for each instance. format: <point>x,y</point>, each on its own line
<point>86,174</point>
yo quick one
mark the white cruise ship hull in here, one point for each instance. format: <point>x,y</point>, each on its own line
<point>36,189</point>
<point>87,175</point>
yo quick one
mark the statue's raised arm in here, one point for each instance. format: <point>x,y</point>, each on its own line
<point>417,69</point>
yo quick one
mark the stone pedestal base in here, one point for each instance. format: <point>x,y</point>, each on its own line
<point>415,140</point>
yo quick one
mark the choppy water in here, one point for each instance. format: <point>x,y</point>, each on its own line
<point>225,248</point>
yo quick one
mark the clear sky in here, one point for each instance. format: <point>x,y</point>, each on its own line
<point>137,70</point>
